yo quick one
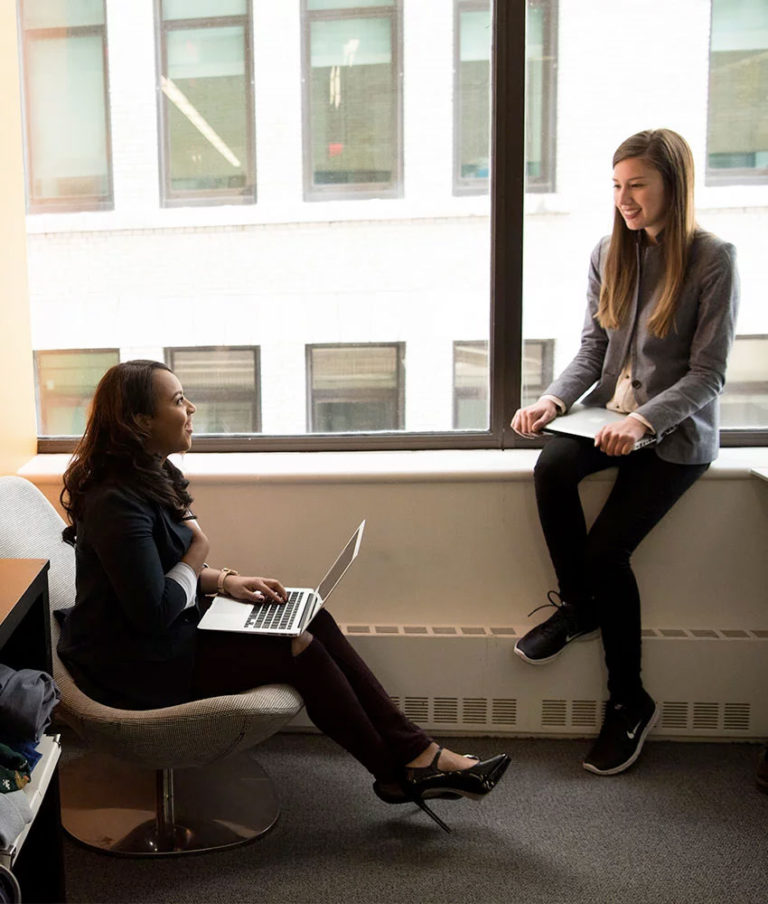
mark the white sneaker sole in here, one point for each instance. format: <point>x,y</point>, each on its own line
<point>590,636</point>
<point>617,769</point>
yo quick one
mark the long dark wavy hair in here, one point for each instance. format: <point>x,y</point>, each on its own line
<point>113,446</point>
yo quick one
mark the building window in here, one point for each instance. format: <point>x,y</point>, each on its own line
<point>206,102</point>
<point>65,381</point>
<point>352,100</point>
<point>472,92</point>
<point>66,105</point>
<point>737,136</point>
<point>744,402</point>
<point>471,379</point>
<point>355,388</point>
<point>223,384</point>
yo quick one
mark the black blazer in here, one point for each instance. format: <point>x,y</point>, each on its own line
<point>129,641</point>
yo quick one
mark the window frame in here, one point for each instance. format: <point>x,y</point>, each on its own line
<point>84,202</point>
<point>168,358</point>
<point>336,192</point>
<point>399,348</point>
<point>170,197</point>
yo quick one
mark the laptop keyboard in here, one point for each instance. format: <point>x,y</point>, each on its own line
<point>274,616</point>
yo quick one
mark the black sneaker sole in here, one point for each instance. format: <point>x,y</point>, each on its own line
<point>589,635</point>
<point>615,770</point>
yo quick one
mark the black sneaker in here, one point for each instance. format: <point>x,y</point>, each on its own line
<point>622,736</point>
<point>548,640</point>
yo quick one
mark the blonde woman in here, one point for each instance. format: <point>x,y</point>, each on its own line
<point>662,300</point>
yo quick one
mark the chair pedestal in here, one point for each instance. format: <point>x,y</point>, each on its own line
<point>121,809</point>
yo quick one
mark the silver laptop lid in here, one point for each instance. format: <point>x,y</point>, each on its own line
<point>342,563</point>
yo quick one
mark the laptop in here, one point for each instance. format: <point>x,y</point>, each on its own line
<point>585,420</point>
<point>286,619</point>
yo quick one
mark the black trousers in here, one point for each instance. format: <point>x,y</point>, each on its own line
<point>341,694</point>
<point>593,566</point>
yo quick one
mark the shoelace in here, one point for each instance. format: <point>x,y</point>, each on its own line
<point>557,603</point>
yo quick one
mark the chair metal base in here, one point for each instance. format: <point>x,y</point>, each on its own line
<point>117,808</point>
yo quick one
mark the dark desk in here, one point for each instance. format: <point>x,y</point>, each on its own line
<point>25,642</point>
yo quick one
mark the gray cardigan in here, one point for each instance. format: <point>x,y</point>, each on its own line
<point>676,380</point>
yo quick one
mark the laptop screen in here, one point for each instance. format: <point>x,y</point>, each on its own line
<point>345,559</point>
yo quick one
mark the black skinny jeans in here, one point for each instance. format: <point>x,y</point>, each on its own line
<point>341,694</point>
<point>593,566</point>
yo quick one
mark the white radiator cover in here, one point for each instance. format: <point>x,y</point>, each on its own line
<point>711,683</point>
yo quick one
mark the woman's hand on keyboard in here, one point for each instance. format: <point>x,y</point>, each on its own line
<point>255,589</point>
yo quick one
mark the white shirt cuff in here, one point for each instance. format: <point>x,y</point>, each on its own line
<point>642,420</point>
<point>185,577</point>
<point>562,408</point>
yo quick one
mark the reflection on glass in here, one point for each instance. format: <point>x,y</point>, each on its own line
<point>207,108</point>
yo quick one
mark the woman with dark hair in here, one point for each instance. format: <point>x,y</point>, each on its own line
<point>662,300</point>
<point>131,640</point>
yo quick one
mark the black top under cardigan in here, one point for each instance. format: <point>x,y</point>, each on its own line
<point>129,641</point>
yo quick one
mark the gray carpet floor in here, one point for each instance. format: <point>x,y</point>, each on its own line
<point>685,824</point>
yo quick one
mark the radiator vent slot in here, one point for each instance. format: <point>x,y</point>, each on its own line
<point>674,714</point>
<point>736,717</point>
<point>504,712</point>
<point>475,710</point>
<point>446,709</point>
<point>584,713</point>
<point>553,712</point>
<point>417,708</point>
<point>706,716</point>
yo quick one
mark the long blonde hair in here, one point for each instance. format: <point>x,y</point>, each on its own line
<point>669,153</point>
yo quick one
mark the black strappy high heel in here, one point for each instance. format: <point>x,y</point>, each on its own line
<point>420,783</point>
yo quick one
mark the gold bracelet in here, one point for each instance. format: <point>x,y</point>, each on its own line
<point>222,577</point>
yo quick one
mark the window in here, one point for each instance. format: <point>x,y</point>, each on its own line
<point>352,141</point>
<point>206,91</point>
<point>223,384</point>
<point>745,399</point>
<point>470,379</point>
<point>66,107</point>
<point>472,91</point>
<point>737,137</point>
<point>355,387</point>
<point>66,380</point>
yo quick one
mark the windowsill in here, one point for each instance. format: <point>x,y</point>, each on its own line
<point>432,466</point>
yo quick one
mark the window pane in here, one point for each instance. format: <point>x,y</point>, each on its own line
<point>66,121</point>
<point>738,87</point>
<point>347,4</point>
<point>196,9</point>
<point>355,388</point>
<point>745,399</point>
<point>44,14</point>
<point>474,96</point>
<point>352,102</point>
<point>206,93</point>
<point>470,385</point>
<point>223,384</point>
<point>66,381</point>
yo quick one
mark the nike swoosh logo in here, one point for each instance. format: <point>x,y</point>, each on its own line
<point>631,734</point>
